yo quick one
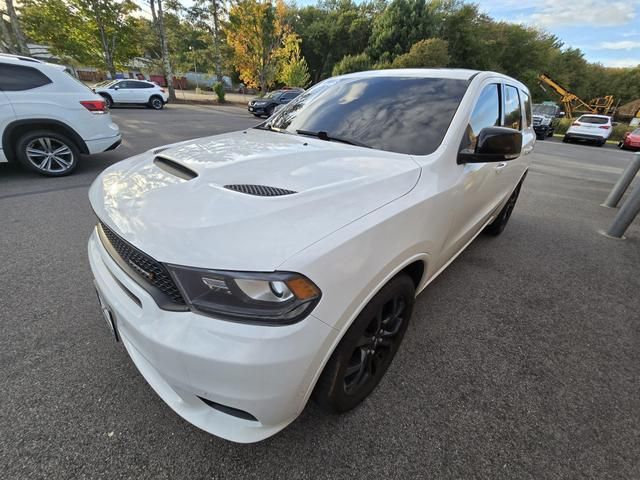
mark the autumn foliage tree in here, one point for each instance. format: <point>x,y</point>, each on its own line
<point>255,32</point>
<point>294,70</point>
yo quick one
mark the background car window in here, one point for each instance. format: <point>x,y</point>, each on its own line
<point>16,78</point>
<point>486,113</point>
<point>397,114</point>
<point>527,108</point>
<point>512,110</point>
<point>594,120</point>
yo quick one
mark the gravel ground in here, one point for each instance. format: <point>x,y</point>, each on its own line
<point>521,361</point>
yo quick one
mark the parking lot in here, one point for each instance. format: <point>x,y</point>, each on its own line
<point>521,361</point>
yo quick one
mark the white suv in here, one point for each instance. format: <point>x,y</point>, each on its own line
<point>133,92</point>
<point>48,118</point>
<point>246,272</point>
<point>590,128</point>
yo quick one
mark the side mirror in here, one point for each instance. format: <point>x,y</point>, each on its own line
<point>494,144</point>
<point>116,87</point>
<point>561,115</point>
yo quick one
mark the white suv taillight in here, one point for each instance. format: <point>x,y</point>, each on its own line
<point>95,106</point>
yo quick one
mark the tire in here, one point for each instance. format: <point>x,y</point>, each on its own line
<point>565,139</point>
<point>45,163</point>
<point>551,132</point>
<point>498,225</point>
<point>353,371</point>
<point>156,102</point>
<point>108,100</point>
<point>540,137</point>
<point>621,145</point>
<point>602,143</point>
<point>269,111</point>
<point>257,115</point>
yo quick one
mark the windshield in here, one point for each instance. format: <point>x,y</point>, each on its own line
<point>594,120</point>
<point>544,109</point>
<point>273,95</point>
<point>636,132</point>
<point>397,114</point>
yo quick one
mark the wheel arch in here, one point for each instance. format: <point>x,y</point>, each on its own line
<point>414,266</point>
<point>18,127</point>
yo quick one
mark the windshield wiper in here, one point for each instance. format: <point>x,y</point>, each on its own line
<point>322,135</point>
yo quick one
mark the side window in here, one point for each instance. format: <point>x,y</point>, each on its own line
<point>145,85</point>
<point>527,108</point>
<point>486,113</point>
<point>16,78</point>
<point>512,109</point>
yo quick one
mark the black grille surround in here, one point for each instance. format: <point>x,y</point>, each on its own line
<point>260,190</point>
<point>147,272</point>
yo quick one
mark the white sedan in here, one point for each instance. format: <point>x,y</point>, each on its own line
<point>248,272</point>
<point>590,128</point>
<point>138,92</point>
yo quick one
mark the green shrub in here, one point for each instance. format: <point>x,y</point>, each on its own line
<point>563,126</point>
<point>619,131</point>
<point>219,89</point>
<point>352,63</point>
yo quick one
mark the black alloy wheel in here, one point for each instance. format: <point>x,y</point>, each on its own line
<point>367,349</point>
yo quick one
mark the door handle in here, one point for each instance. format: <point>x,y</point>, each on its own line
<point>501,165</point>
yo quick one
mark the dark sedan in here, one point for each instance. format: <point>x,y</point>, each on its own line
<point>267,104</point>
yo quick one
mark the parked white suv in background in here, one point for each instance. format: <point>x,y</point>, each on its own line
<point>590,128</point>
<point>133,92</point>
<point>247,272</point>
<point>48,118</point>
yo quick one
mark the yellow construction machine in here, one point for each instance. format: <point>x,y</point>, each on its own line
<point>574,104</point>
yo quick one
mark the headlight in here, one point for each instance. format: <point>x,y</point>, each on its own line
<point>546,121</point>
<point>278,298</point>
<point>260,104</point>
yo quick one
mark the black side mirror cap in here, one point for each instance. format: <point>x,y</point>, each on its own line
<point>494,144</point>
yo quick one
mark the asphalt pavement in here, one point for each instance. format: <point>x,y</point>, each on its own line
<point>522,359</point>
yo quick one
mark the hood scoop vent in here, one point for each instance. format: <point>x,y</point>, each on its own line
<point>175,168</point>
<point>260,190</point>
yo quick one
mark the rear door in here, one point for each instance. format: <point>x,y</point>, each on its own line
<point>516,110</point>
<point>7,115</point>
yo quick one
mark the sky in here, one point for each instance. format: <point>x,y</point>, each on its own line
<point>606,31</point>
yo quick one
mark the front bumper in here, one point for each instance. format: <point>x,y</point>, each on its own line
<point>257,110</point>
<point>266,372</point>
<point>542,129</point>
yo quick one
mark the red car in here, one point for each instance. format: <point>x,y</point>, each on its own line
<point>631,140</point>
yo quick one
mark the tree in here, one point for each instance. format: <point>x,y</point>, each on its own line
<point>209,14</point>
<point>352,63</point>
<point>21,43</point>
<point>97,33</point>
<point>432,52</point>
<point>158,20</point>
<point>294,71</point>
<point>400,25</point>
<point>255,32</point>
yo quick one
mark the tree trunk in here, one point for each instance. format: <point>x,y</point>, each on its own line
<point>216,39</point>
<point>168,73</point>
<point>6,44</point>
<point>106,50</point>
<point>21,43</point>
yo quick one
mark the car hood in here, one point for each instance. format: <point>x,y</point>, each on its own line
<point>199,222</point>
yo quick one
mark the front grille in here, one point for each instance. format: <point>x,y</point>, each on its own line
<point>537,121</point>
<point>260,190</point>
<point>144,267</point>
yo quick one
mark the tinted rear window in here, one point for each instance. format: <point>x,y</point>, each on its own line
<point>15,78</point>
<point>397,114</point>
<point>595,120</point>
